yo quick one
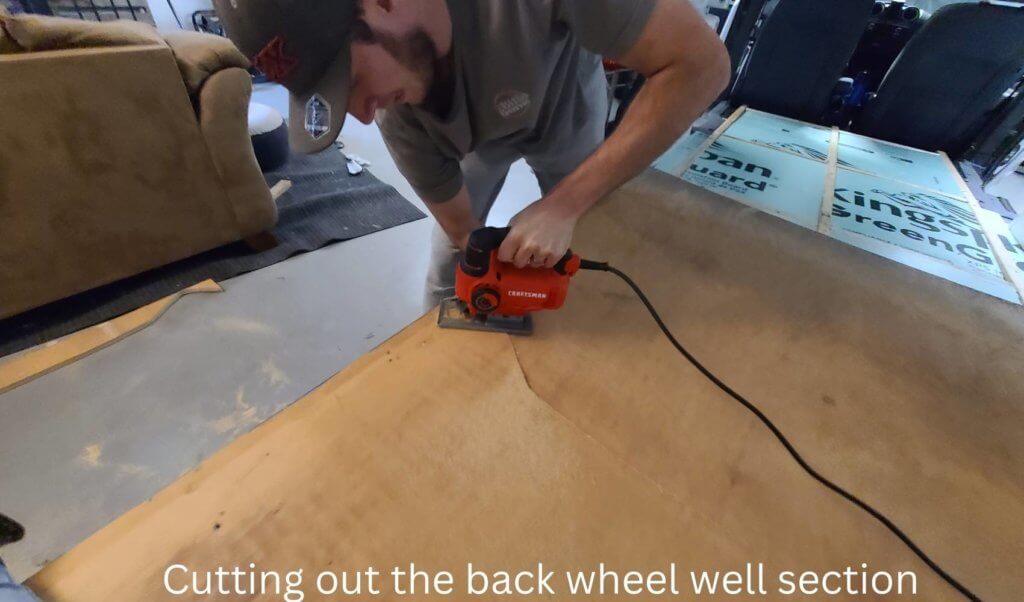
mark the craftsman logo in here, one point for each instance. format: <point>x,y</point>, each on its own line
<point>318,117</point>
<point>528,294</point>
<point>275,62</point>
<point>511,103</point>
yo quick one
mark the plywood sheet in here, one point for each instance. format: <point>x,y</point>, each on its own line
<point>593,441</point>
<point>407,456</point>
<point>905,389</point>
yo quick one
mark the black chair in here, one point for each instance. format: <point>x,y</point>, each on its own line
<point>951,75</point>
<point>747,14</point>
<point>799,54</point>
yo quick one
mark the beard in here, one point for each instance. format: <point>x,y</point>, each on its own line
<point>417,52</point>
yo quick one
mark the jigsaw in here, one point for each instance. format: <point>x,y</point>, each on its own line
<point>499,297</point>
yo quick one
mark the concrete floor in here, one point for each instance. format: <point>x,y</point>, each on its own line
<point>88,442</point>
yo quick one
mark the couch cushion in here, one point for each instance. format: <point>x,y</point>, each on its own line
<point>38,33</point>
<point>200,55</point>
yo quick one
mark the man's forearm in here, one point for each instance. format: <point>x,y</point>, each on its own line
<point>456,217</point>
<point>670,101</point>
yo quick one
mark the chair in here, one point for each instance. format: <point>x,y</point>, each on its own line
<point>799,55</point>
<point>950,76</point>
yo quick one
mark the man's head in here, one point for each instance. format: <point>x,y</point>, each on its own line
<point>337,57</point>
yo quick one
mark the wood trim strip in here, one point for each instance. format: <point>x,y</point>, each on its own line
<point>54,355</point>
<point>828,193</point>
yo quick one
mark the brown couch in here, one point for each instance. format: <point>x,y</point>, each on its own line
<point>120,151</point>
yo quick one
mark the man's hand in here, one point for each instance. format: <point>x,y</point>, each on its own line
<point>540,235</point>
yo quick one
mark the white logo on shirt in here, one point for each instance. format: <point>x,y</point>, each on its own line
<point>511,103</point>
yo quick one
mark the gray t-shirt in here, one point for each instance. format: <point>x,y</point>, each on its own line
<point>526,74</point>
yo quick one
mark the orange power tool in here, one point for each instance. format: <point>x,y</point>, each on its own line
<point>495,296</point>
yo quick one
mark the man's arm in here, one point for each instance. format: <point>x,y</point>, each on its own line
<point>686,67</point>
<point>435,176</point>
<point>456,217</point>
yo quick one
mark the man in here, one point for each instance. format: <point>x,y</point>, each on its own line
<point>461,89</point>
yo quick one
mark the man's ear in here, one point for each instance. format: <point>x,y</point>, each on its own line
<point>384,6</point>
<point>377,12</point>
<point>391,17</point>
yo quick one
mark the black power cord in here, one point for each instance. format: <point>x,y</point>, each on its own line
<point>604,267</point>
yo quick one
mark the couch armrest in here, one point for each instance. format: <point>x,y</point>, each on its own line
<point>200,55</point>
<point>223,121</point>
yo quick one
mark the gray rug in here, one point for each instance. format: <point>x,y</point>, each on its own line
<point>325,205</point>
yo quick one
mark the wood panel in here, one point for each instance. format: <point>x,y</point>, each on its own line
<point>434,448</point>
<point>904,388</point>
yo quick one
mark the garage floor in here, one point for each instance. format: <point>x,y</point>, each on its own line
<point>88,442</point>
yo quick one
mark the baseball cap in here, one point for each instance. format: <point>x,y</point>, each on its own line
<point>305,46</point>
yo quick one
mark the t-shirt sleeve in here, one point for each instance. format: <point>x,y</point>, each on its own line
<point>606,27</point>
<point>434,175</point>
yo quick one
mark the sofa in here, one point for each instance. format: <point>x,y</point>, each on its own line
<point>121,150</point>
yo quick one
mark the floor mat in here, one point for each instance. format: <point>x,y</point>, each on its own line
<point>325,205</point>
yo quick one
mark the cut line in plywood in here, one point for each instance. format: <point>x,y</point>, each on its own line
<point>56,354</point>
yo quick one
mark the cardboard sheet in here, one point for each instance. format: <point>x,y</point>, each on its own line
<point>593,441</point>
